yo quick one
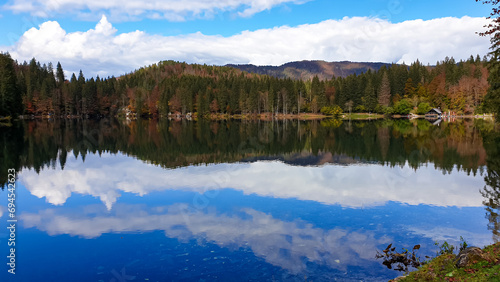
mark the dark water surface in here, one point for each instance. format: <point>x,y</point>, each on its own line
<point>241,201</point>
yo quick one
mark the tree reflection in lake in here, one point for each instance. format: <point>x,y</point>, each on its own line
<point>491,192</point>
<point>36,144</point>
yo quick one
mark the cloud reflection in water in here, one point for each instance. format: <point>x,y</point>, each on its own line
<point>281,243</point>
<point>354,186</point>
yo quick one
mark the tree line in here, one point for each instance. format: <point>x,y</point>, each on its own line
<point>172,87</point>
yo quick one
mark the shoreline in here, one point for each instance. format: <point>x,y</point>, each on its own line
<point>265,117</point>
<point>482,264</point>
<point>269,117</point>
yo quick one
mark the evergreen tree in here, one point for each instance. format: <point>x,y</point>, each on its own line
<point>32,79</point>
<point>89,98</point>
<point>10,98</point>
<point>370,97</point>
<point>59,74</point>
<point>416,73</point>
<point>493,96</point>
<point>70,96</point>
<point>318,92</point>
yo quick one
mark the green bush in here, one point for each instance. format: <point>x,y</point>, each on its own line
<point>423,108</point>
<point>403,107</point>
<point>379,109</point>
<point>360,109</point>
<point>332,111</point>
<point>388,111</point>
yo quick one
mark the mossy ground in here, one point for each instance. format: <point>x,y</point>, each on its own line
<point>442,268</point>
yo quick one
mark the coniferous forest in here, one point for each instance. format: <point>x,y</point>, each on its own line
<point>36,90</point>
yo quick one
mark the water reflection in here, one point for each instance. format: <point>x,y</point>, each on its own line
<point>39,144</point>
<point>108,176</point>
<point>313,199</point>
<point>491,191</point>
<point>281,243</point>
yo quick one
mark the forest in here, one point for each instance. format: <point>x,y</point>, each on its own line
<point>35,90</point>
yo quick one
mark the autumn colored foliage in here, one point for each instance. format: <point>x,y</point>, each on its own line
<point>170,87</point>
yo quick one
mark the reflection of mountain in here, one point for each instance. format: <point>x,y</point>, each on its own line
<point>108,176</point>
<point>307,159</point>
<point>280,243</point>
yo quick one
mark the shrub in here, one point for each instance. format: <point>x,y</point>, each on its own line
<point>423,108</point>
<point>389,111</point>
<point>360,109</point>
<point>402,107</point>
<point>332,111</point>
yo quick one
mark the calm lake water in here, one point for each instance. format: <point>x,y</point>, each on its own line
<point>242,201</point>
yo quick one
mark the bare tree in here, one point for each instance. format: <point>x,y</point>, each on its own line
<point>349,105</point>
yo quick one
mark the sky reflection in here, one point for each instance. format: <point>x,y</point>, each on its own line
<point>281,243</point>
<point>315,221</point>
<point>108,176</point>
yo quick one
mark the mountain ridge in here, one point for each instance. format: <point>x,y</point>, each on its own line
<point>307,69</point>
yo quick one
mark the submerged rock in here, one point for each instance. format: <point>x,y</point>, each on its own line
<point>468,255</point>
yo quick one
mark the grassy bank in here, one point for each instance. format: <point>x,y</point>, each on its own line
<point>443,268</point>
<point>362,116</point>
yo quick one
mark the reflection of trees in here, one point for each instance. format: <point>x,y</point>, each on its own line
<point>38,144</point>
<point>491,191</point>
<point>11,148</point>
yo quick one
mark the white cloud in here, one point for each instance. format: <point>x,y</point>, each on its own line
<point>108,177</point>
<point>281,243</point>
<point>173,10</point>
<point>104,51</point>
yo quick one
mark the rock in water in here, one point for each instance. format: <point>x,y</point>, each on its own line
<point>468,255</point>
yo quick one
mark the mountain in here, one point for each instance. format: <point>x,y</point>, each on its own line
<point>308,69</point>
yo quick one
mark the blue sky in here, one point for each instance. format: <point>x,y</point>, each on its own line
<point>66,31</point>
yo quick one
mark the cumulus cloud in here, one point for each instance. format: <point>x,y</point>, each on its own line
<point>108,177</point>
<point>172,10</point>
<point>105,51</point>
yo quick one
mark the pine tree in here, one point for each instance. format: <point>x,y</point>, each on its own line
<point>70,96</point>
<point>370,98</point>
<point>10,98</point>
<point>59,75</point>
<point>32,79</point>
<point>318,92</point>
<point>89,98</point>
<point>78,87</point>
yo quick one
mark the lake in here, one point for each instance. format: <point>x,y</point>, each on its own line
<point>201,200</point>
